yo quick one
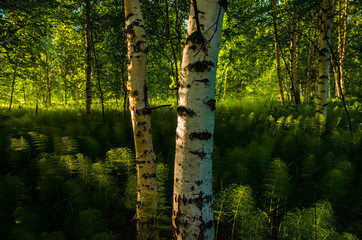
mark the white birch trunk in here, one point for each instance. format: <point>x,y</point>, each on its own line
<point>141,121</point>
<point>324,60</point>
<point>193,198</point>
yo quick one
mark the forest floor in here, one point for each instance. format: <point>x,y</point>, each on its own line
<point>64,175</point>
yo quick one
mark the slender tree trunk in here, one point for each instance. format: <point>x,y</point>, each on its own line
<point>225,84</point>
<point>14,76</point>
<point>88,58</point>
<point>174,55</point>
<point>98,78</point>
<point>65,84</point>
<point>292,59</point>
<point>277,52</point>
<point>37,97</point>
<point>49,95</point>
<point>324,60</point>
<point>336,76</point>
<point>141,121</point>
<point>296,69</point>
<point>124,87</point>
<point>289,97</point>
<point>293,63</point>
<point>192,216</point>
<point>48,81</point>
<point>309,69</point>
<point>343,47</point>
<point>339,29</point>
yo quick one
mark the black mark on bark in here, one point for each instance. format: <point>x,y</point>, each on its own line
<point>201,66</point>
<point>129,15</point>
<point>212,104</point>
<point>147,175</point>
<point>201,154</point>
<point>143,111</point>
<point>183,111</point>
<point>205,80</point>
<point>195,38</point>
<point>200,135</point>
<point>141,46</point>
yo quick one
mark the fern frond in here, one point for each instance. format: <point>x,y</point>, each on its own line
<point>65,145</point>
<point>120,157</point>
<point>336,181</point>
<point>40,141</point>
<point>20,144</point>
<point>277,180</point>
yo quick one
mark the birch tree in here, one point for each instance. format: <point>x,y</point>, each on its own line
<point>193,198</point>
<point>141,120</point>
<point>324,59</point>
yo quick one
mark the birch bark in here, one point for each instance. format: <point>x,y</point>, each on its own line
<point>324,60</point>
<point>193,198</point>
<point>141,121</point>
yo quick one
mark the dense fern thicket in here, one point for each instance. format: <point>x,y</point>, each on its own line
<point>64,175</point>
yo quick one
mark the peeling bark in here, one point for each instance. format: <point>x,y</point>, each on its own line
<point>141,122</point>
<point>192,216</point>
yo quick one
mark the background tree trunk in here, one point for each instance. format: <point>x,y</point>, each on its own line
<point>98,77</point>
<point>343,45</point>
<point>277,52</point>
<point>324,60</point>
<point>141,121</point>
<point>225,84</point>
<point>294,91</point>
<point>65,83</point>
<point>193,198</point>
<point>88,58</point>
<point>48,82</point>
<point>14,76</point>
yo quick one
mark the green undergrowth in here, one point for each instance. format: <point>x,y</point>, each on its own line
<point>64,175</point>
